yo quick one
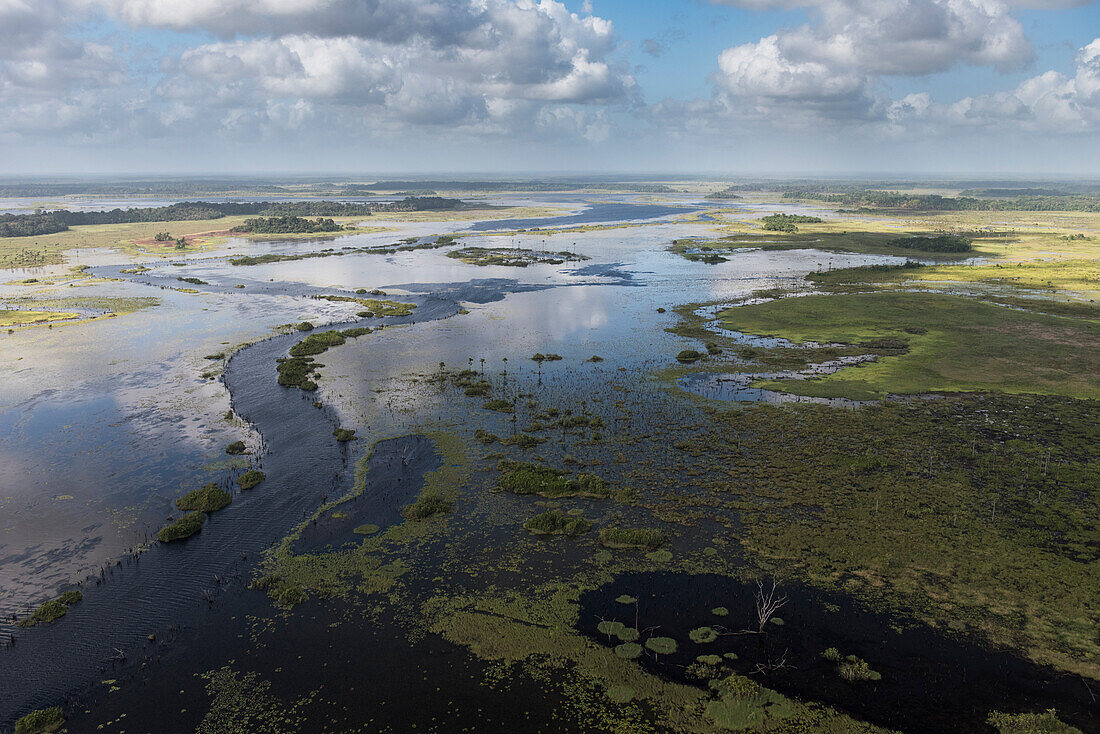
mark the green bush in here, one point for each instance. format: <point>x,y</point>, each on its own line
<point>41,721</point>
<point>208,499</point>
<point>236,448</point>
<point>185,527</point>
<point>251,478</point>
<point>344,434</point>
<point>688,355</point>
<point>52,610</point>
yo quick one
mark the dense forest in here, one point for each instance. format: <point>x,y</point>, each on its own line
<point>48,222</point>
<point>287,225</point>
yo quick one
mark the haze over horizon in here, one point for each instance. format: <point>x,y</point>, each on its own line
<point>726,87</point>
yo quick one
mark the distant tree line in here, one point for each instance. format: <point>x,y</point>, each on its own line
<point>934,202</point>
<point>287,225</point>
<point>48,222</point>
<point>787,222</point>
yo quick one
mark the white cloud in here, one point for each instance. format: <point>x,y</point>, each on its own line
<point>902,36</point>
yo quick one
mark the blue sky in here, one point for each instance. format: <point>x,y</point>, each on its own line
<point>730,86</point>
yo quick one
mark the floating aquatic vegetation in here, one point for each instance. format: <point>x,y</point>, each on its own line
<point>703,635</point>
<point>661,645</point>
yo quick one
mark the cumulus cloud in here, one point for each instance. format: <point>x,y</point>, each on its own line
<point>1049,102</point>
<point>290,63</point>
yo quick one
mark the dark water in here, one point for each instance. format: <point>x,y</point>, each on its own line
<point>594,214</point>
<point>931,682</point>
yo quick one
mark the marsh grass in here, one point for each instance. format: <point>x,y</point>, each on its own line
<point>645,538</point>
<point>52,610</point>
<point>208,499</point>
<point>533,479</point>
<point>428,504</point>
<point>251,478</point>
<point>556,522</point>
<point>1046,722</point>
<point>42,721</point>
<point>182,528</point>
<point>954,344</point>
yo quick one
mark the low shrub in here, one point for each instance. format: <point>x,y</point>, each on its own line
<point>185,527</point>
<point>251,478</point>
<point>41,721</point>
<point>208,499</point>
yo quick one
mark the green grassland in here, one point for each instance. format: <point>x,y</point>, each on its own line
<point>953,344</point>
<point>1079,277</point>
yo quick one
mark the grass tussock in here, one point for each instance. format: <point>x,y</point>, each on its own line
<point>556,522</point>
<point>644,538</point>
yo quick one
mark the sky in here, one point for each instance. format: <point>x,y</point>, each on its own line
<point>723,87</point>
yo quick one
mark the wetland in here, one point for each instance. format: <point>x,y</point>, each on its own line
<point>632,464</point>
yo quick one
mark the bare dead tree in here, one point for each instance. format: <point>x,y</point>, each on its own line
<point>768,602</point>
